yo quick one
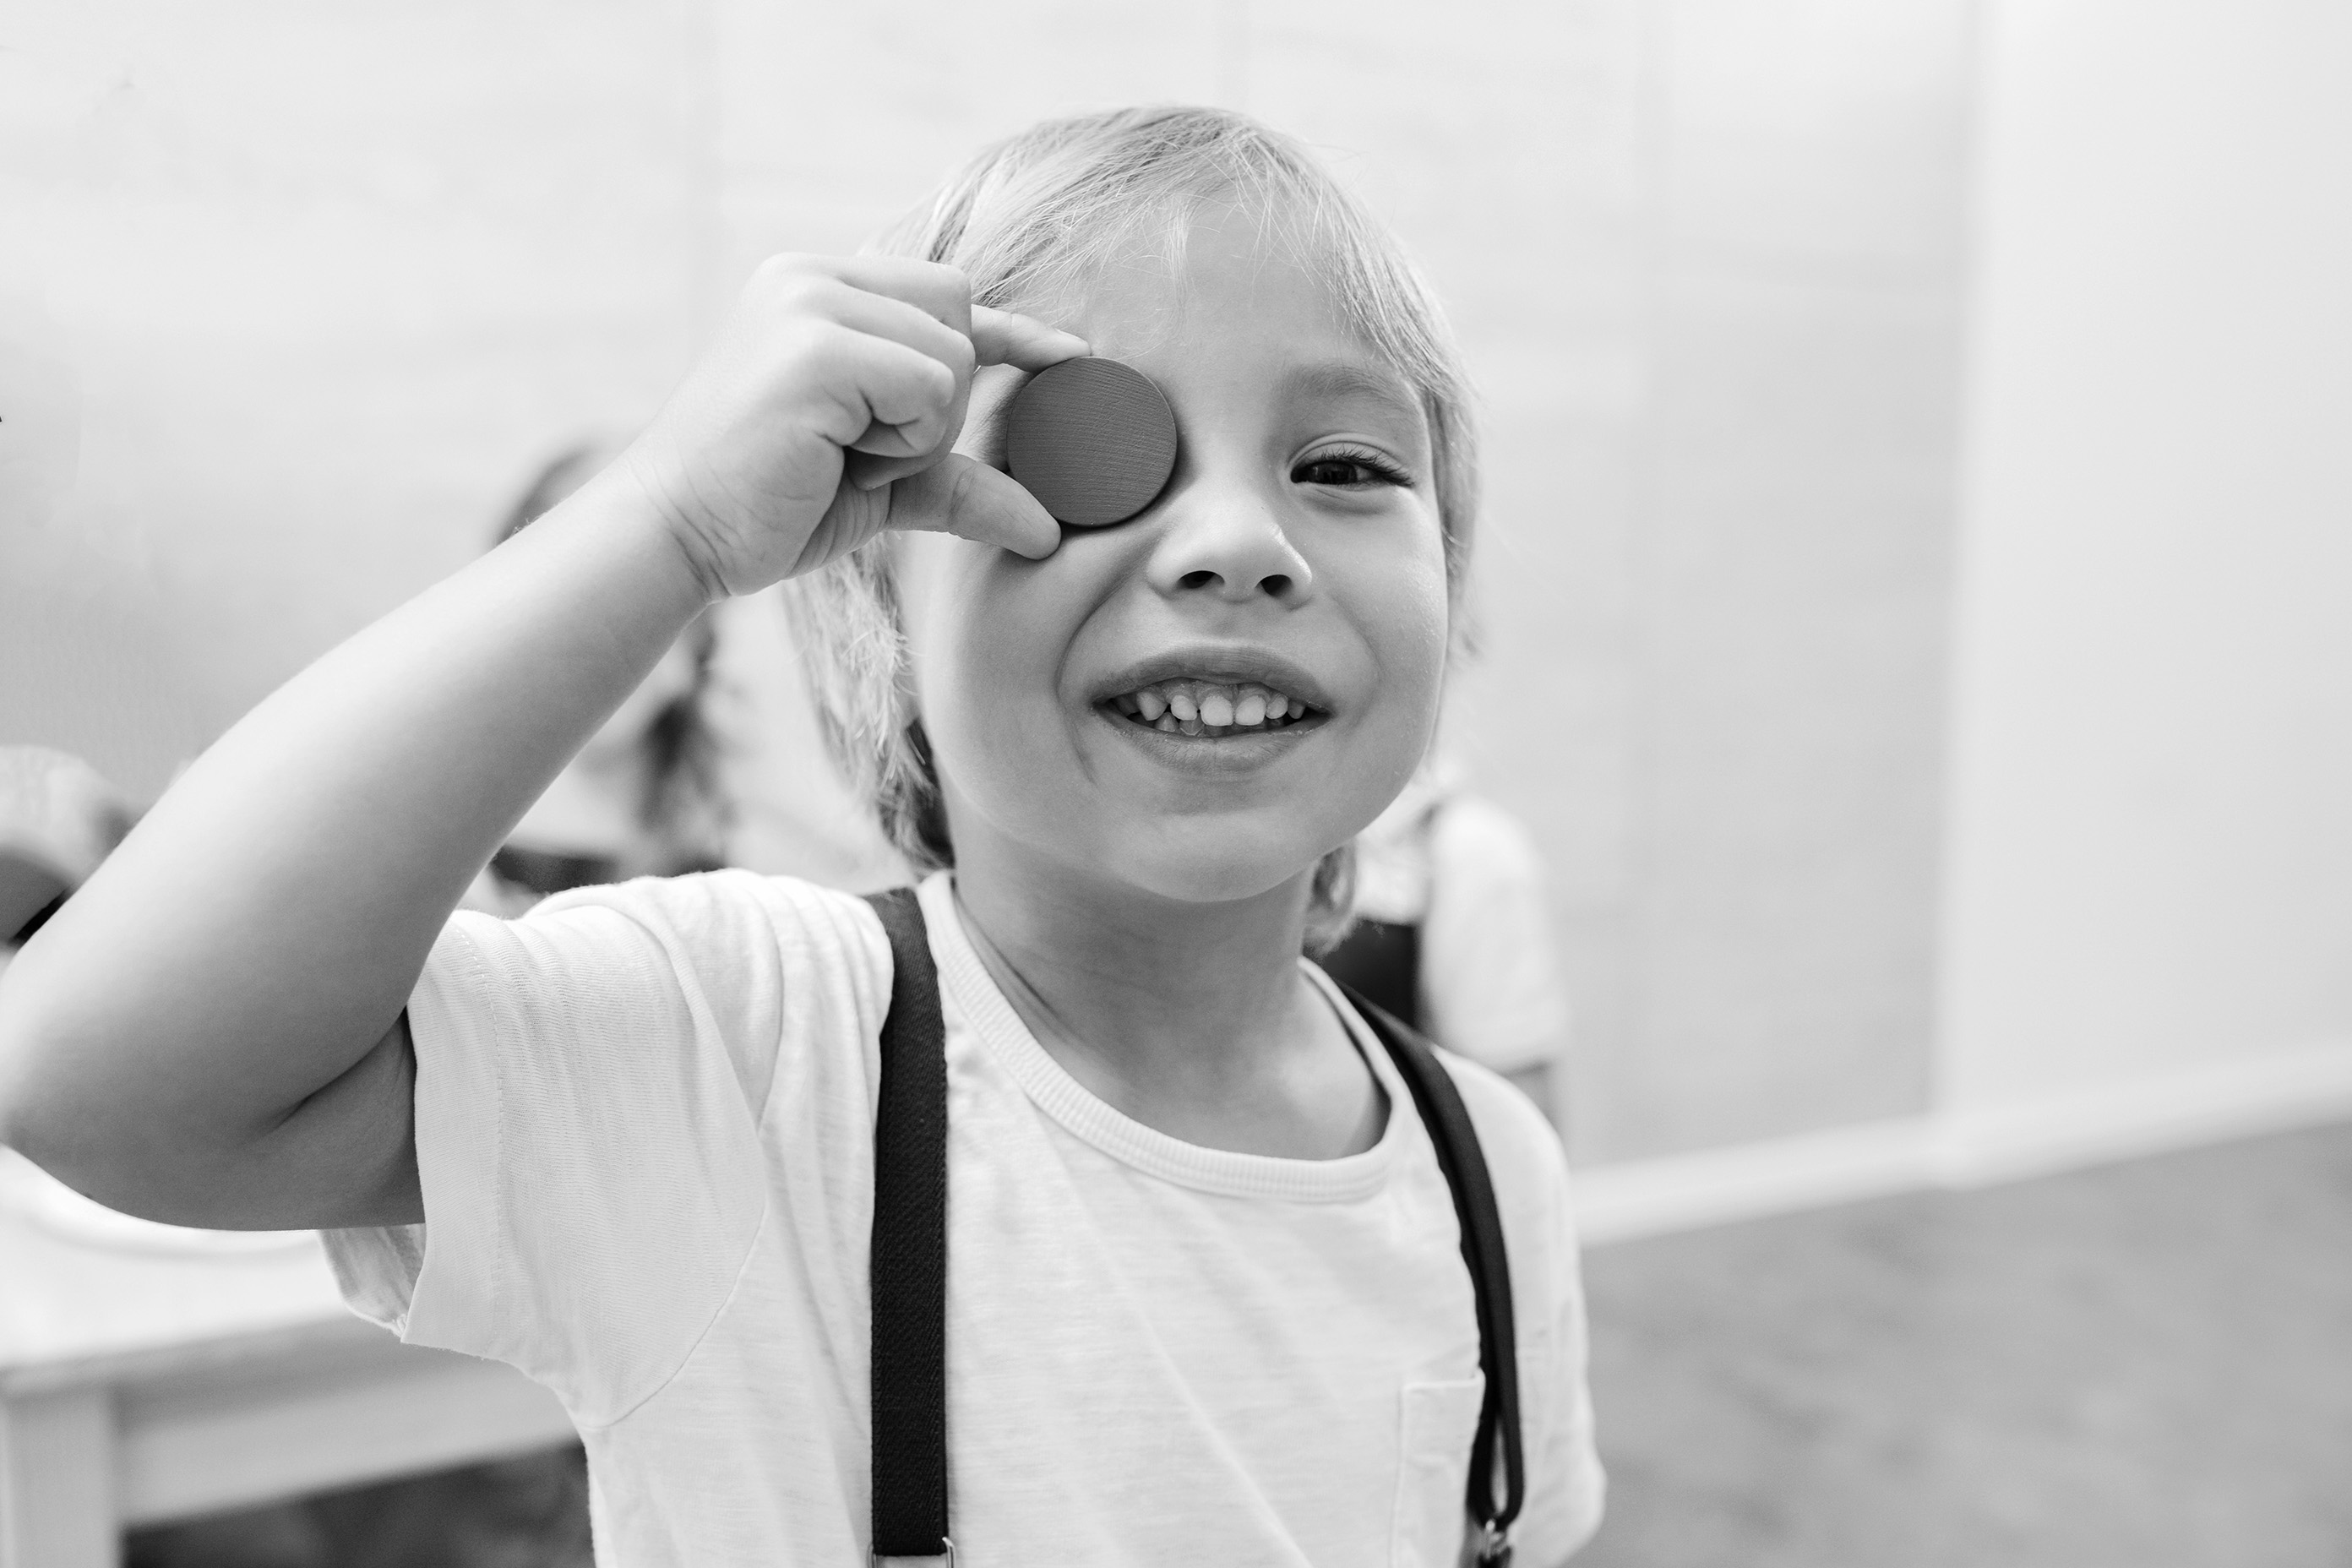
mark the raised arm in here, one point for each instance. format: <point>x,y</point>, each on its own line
<point>211,1032</point>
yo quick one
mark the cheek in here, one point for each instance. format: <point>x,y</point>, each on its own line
<point>1403,610</point>
<point>987,633</point>
<point>1423,617</point>
<point>1405,619</point>
<point>933,602</point>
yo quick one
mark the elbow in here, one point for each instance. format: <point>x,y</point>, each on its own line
<point>59,1107</point>
<point>51,1118</point>
<point>86,1096</point>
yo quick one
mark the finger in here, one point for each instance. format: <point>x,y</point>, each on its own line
<point>1006,337</point>
<point>974,502</point>
<point>886,453</point>
<point>940,291</point>
<point>891,399</point>
<point>909,441</point>
<point>899,321</point>
<point>872,470</point>
<point>987,403</point>
<point>987,410</point>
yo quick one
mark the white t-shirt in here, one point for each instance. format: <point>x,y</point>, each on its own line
<point>644,1127</point>
<point>1465,871</point>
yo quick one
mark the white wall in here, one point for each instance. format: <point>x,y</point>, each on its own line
<point>1789,534</point>
<point>2149,841</point>
<point>320,285</point>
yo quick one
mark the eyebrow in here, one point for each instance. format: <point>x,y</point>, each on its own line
<point>1343,378</point>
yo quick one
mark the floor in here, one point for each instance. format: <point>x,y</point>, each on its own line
<point>529,1512</point>
<point>2144,1366</point>
<point>2147,1365</point>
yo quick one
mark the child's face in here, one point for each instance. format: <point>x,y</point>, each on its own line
<point>1296,552</point>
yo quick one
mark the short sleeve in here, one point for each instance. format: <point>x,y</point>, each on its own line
<point>1490,967</point>
<point>591,1080</point>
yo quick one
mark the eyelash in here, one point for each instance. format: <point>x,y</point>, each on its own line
<point>1382,471</point>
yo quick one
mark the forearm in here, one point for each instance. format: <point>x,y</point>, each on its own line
<point>211,1026</point>
<point>259,934</point>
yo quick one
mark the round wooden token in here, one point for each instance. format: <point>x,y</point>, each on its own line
<point>1093,439</point>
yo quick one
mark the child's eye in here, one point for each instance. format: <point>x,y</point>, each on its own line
<point>1349,467</point>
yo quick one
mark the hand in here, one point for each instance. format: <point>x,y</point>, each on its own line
<point>825,414</point>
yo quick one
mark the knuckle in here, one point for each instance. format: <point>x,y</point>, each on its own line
<point>960,478</point>
<point>794,282</point>
<point>804,291</point>
<point>783,266</point>
<point>812,343</point>
<point>818,353</point>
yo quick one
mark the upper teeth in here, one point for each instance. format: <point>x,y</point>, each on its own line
<point>1208,707</point>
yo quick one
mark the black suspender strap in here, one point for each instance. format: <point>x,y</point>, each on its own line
<point>910,1259</point>
<point>910,1250</point>
<point>1465,1164</point>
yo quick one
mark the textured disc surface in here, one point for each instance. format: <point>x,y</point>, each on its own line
<point>1093,439</point>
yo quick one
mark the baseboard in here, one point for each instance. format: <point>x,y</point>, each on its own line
<point>2158,1115</point>
<point>2276,1093</point>
<point>1635,1198</point>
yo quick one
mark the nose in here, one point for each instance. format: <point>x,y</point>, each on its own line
<point>1228,541</point>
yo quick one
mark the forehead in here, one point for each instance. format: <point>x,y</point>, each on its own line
<point>1225,296</point>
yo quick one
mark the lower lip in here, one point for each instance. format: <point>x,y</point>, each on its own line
<point>1232,753</point>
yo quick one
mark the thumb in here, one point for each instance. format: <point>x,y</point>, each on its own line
<point>964,497</point>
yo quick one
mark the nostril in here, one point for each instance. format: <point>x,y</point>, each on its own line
<point>1277,584</point>
<point>1199,580</point>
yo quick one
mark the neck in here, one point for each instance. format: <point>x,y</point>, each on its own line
<point>1192,1018</point>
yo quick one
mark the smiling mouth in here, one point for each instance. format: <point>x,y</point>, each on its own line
<point>1211,709</point>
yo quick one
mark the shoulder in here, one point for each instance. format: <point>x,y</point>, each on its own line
<point>610,1090</point>
<point>722,924</point>
<point>717,908</point>
<point>1523,1154</point>
<point>754,961</point>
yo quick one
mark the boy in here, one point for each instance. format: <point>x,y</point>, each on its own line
<point>1206,1302</point>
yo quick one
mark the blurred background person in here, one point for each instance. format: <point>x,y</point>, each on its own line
<point>645,796</point>
<point>59,819</point>
<point>1453,931</point>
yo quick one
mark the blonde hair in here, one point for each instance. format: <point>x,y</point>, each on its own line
<point>1037,217</point>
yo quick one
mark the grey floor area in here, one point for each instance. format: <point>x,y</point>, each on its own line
<point>2144,1366</point>
<point>2147,1365</point>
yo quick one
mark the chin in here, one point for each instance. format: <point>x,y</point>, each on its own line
<point>1235,876</point>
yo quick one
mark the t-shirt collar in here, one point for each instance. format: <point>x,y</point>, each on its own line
<point>967,988</point>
